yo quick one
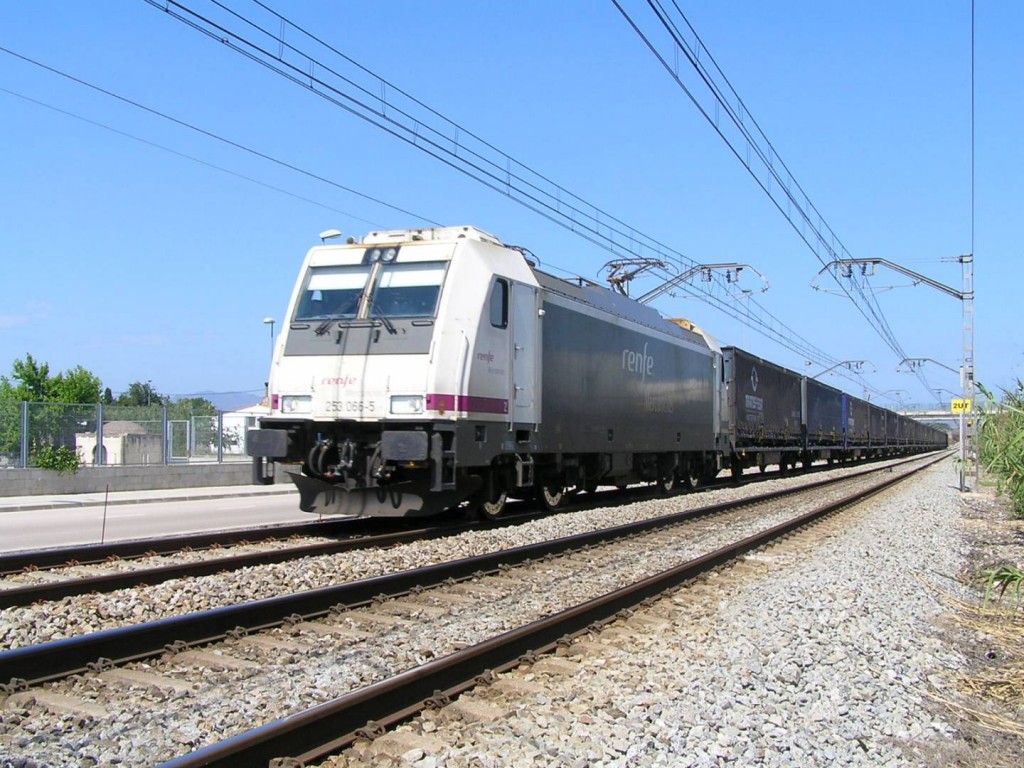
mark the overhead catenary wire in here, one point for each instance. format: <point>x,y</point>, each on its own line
<point>188,157</point>
<point>212,135</point>
<point>710,74</point>
<point>765,318</point>
<point>462,150</point>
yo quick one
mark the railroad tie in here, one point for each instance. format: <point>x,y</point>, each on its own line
<point>57,703</point>
<point>469,711</point>
<point>618,633</point>
<point>136,679</point>
<point>554,666</point>
<point>398,743</point>
<point>514,686</point>
<point>648,623</point>
<point>590,648</point>
<point>403,607</point>
<point>332,629</point>
<point>367,617</point>
<point>288,645</point>
<point>475,590</point>
<point>432,598</point>
<point>214,660</point>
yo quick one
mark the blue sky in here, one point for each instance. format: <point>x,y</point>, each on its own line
<point>141,264</point>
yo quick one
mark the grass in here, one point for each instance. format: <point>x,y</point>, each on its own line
<point>991,690</point>
<point>1001,443</point>
<point>1001,581</point>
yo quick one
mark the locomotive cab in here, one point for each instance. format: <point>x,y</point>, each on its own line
<point>391,345</point>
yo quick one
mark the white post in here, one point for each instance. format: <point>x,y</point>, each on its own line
<point>963,453</point>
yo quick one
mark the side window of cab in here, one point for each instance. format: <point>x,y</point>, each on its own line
<point>499,304</point>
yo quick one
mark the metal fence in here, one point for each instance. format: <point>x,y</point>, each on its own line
<point>122,435</point>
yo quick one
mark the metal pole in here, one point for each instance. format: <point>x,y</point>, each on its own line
<point>970,446</point>
<point>166,434</point>
<point>270,321</point>
<point>963,453</point>
<point>99,458</point>
<point>24,434</point>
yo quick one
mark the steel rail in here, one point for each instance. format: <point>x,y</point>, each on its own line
<point>89,554</point>
<point>15,562</point>
<point>329,727</point>
<point>94,554</point>
<point>59,658</point>
<point>19,596</point>
<point>102,583</point>
<point>361,534</point>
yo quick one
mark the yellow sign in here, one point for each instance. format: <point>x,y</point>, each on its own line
<point>960,406</point>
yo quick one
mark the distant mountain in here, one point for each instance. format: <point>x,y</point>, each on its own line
<point>231,401</point>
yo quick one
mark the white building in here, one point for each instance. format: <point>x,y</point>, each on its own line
<point>124,443</point>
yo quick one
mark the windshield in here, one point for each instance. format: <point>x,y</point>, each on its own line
<point>407,290</point>
<point>332,292</point>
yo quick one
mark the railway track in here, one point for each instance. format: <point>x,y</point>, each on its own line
<point>191,558</point>
<point>30,577</point>
<point>465,587</point>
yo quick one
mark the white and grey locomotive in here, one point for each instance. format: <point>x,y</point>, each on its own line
<point>423,369</point>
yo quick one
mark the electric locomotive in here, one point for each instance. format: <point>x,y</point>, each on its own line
<point>419,370</point>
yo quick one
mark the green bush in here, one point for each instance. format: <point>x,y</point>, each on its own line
<point>1001,443</point>
<point>63,459</point>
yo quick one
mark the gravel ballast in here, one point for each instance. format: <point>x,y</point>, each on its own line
<point>252,680</point>
<point>819,652</point>
<point>71,616</point>
<point>667,688</point>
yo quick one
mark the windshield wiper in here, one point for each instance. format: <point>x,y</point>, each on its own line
<point>387,324</point>
<point>322,328</point>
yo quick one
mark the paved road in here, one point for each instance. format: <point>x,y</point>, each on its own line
<point>43,523</point>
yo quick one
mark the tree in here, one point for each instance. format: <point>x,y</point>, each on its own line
<point>31,381</point>
<point>49,425</point>
<point>194,406</point>
<point>141,393</point>
<point>75,386</point>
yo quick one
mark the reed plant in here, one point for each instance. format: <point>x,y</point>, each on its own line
<point>1001,443</point>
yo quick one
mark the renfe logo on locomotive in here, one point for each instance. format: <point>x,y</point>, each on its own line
<point>638,362</point>
<point>338,381</point>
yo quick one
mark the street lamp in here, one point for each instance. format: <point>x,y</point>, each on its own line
<point>270,321</point>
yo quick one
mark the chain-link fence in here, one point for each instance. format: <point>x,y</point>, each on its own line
<point>122,435</point>
<point>10,435</point>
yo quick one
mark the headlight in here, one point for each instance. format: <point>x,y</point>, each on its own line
<point>296,404</point>
<point>404,405</point>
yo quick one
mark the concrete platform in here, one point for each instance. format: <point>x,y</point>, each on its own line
<point>57,520</point>
<point>99,499</point>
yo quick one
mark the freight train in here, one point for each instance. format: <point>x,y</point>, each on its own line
<point>421,370</point>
